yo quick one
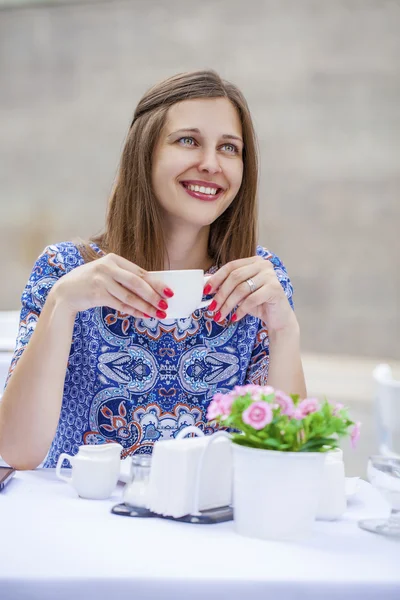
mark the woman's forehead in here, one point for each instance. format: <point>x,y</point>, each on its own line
<point>205,114</point>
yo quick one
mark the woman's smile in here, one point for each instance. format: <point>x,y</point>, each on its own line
<point>205,191</point>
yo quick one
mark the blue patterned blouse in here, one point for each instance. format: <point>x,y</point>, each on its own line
<point>139,380</point>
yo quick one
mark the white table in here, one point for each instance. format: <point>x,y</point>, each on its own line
<point>56,546</point>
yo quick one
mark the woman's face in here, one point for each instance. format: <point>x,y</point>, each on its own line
<point>198,161</point>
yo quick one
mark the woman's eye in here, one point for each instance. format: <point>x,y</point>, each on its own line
<point>231,148</point>
<point>187,141</point>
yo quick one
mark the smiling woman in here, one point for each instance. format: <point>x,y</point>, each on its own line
<point>180,161</point>
<point>97,359</point>
<point>193,128</point>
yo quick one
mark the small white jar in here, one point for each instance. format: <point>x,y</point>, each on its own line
<point>136,492</point>
<point>332,500</point>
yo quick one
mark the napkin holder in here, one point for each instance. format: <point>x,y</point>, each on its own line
<point>190,475</point>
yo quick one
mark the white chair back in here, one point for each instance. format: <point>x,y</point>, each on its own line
<point>9,324</point>
<point>387,408</point>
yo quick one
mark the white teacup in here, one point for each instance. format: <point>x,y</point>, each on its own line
<point>95,470</point>
<point>187,286</point>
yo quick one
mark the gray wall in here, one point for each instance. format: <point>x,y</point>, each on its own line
<point>323,81</point>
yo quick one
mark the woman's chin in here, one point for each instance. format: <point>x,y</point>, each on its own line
<point>195,218</point>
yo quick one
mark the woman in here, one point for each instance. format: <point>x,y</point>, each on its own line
<point>184,198</point>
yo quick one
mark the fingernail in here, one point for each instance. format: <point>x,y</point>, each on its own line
<point>168,292</point>
<point>161,314</point>
<point>234,318</point>
<point>217,316</point>
<point>147,316</point>
<point>162,304</point>
<point>213,305</point>
<point>207,289</point>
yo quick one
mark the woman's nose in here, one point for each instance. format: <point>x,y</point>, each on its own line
<point>210,163</point>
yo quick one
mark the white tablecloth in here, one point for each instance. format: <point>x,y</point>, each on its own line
<point>56,546</point>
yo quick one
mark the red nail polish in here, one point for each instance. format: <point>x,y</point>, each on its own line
<point>147,316</point>
<point>213,305</point>
<point>217,316</point>
<point>234,318</point>
<point>207,289</point>
<point>169,293</point>
<point>162,304</point>
<point>161,314</point>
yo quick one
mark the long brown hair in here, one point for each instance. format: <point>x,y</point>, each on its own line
<point>133,226</point>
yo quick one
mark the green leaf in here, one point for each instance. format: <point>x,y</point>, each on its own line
<point>272,442</point>
<point>314,444</point>
<point>244,441</point>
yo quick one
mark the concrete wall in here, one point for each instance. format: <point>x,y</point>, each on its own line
<point>323,81</point>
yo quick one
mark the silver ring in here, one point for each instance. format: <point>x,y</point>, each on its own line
<point>252,285</point>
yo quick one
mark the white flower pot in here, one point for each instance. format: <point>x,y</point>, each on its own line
<point>275,494</point>
<point>332,499</point>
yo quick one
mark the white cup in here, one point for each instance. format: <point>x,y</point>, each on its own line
<point>95,470</point>
<point>187,286</point>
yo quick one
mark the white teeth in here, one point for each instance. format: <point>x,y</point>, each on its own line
<point>202,189</point>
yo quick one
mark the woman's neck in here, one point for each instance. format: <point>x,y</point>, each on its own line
<point>187,249</point>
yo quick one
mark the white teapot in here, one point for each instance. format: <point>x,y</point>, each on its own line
<point>95,470</point>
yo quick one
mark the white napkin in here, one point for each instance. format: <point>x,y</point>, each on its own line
<point>173,474</point>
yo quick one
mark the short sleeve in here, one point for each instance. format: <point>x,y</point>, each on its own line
<point>48,268</point>
<point>257,372</point>
<point>280,271</point>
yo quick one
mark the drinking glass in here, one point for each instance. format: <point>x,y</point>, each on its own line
<point>384,474</point>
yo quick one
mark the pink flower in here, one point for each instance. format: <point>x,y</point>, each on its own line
<point>220,406</point>
<point>306,407</point>
<point>242,390</point>
<point>226,404</point>
<point>336,407</point>
<point>267,390</point>
<point>256,391</point>
<point>213,410</point>
<point>355,434</point>
<point>285,402</point>
<point>257,394</point>
<point>258,414</point>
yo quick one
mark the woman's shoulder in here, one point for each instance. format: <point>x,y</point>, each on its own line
<point>62,257</point>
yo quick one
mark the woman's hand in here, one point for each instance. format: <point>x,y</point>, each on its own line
<point>267,302</point>
<point>115,282</point>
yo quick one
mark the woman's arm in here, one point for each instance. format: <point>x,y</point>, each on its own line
<point>285,371</point>
<point>31,404</point>
<point>276,355</point>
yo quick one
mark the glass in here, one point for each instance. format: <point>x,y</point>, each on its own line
<point>135,493</point>
<point>384,474</point>
<point>141,465</point>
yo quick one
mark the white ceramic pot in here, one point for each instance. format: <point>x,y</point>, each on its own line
<point>275,494</point>
<point>332,499</point>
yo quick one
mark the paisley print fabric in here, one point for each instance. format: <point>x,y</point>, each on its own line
<point>136,381</point>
